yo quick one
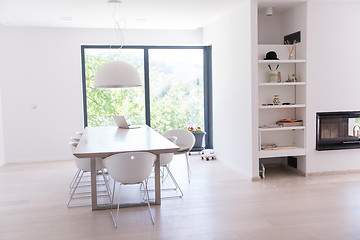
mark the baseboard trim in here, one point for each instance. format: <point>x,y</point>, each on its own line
<point>327,173</point>
<point>45,159</point>
<point>256,179</point>
<point>235,169</point>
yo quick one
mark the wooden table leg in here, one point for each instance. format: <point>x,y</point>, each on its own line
<point>93,184</point>
<point>157,181</point>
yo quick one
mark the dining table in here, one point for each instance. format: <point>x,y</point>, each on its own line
<point>102,142</point>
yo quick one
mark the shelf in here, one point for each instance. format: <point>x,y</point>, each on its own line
<point>282,84</point>
<point>282,106</point>
<point>291,140</point>
<point>281,128</point>
<point>282,152</point>
<point>283,61</point>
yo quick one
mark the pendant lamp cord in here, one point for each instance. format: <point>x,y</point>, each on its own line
<point>119,24</point>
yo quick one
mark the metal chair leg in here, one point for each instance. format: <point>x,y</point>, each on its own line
<point>174,181</point>
<point>106,184</point>
<point>148,201</point>
<point>163,176</point>
<point>74,178</point>
<point>112,202</point>
<point>115,218</point>
<point>188,166</point>
<point>74,189</point>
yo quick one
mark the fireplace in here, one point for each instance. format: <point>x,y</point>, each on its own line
<point>337,130</point>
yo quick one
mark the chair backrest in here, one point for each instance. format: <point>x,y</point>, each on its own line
<point>75,139</point>
<point>84,163</point>
<point>184,137</point>
<point>73,145</point>
<point>166,158</point>
<point>130,168</point>
<point>172,139</point>
<point>79,134</point>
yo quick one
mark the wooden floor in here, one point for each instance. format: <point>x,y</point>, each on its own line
<point>218,204</point>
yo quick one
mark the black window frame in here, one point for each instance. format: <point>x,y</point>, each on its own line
<point>207,61</point>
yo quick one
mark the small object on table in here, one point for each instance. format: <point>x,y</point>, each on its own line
<point>291,48</point>
<point>289,122</point>
<point>279,77</point>
<point>273,76</point>
<point>270,126</point>
<point>268,146</point>
<point>276,100</point>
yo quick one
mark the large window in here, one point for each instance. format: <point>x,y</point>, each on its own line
<point>176,91</point>
<point>176,88</point>
<point>103,103</point>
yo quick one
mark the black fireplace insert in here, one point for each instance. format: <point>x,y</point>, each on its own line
<point>337,130</point>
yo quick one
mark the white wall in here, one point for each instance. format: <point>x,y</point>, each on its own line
<point>294,20</point>
<point>230,36</point>
<point>333,75</point>
<point>269,28</point>
<point>41,90</point>
<point>255,89</point>
<point>2,149</point>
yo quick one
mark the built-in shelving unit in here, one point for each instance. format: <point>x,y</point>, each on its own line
<point>283,152</point>
<point>282,106</point>
<point>283,61</point>
<point>277,145</point>
<point>266,84</point>
<point>264,129</point>
<point>288,141</point>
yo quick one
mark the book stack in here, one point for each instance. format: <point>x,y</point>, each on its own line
<point>289,122</point>
<point>268,146</point>
<point>262,171</point>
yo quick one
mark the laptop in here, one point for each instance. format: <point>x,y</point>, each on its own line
<point>122,123</point>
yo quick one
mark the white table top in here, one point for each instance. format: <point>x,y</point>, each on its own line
<point>106,141</point>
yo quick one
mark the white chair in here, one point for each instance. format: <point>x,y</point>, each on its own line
<point>83,165</point>
<point>75,139</point>
<point>129,168</point>
<point>74,142</point>
<point>185,140</point>
<point>165,160</point>
<point>73,145</point>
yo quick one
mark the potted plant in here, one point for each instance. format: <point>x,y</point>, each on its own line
<point>199,136</point>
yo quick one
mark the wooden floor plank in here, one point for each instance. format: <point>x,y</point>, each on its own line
<point>217,204</point>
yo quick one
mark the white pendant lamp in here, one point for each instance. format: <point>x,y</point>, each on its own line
<point>117,74</point>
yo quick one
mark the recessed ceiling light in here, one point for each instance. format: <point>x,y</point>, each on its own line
<point>141,20</point>
<point>269,11</point>
<point>66,18</point>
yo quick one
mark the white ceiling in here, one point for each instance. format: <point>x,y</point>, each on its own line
<point>138,14</point>
<point>278,6</point>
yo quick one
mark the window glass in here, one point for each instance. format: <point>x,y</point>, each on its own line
<point>103,103</point>
<point>176,88</point>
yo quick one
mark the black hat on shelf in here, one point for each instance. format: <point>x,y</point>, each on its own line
<point>271,56</point>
